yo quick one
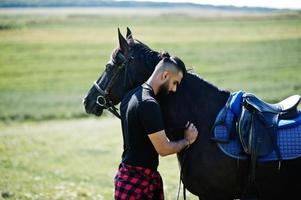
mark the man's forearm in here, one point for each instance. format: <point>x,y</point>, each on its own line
<point>175,147</point>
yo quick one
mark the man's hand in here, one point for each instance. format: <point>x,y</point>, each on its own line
<point>191,133</point>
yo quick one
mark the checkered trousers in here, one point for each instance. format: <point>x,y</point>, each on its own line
<point>135,183</point>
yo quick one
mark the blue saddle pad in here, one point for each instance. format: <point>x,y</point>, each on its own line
<point>288,135</point>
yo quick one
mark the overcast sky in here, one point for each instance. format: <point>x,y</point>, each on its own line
<point>292,4</point>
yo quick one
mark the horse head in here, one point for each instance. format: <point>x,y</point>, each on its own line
<point>131,63</point>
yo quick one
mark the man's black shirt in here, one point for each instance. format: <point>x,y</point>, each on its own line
<point>140,116</point>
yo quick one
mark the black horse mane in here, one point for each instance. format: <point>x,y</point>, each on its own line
<point>147,56</point>
<point>143,56</point>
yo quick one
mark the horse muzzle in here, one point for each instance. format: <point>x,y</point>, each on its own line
<point>94,107</point>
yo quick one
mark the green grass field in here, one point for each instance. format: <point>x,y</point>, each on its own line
<point>48,63</point>
<point>67,159</point>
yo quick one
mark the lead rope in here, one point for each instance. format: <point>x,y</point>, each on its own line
<point>181,173</point>
<point>179,188</point>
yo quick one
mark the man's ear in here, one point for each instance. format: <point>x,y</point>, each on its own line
<point>123,45</point>
<point>165,75</point>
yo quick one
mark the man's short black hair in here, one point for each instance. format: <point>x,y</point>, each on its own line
<point>177,62</point>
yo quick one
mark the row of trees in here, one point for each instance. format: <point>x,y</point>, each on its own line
<point>113,3</point>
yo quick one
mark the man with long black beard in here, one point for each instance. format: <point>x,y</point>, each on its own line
<point>144,136</point>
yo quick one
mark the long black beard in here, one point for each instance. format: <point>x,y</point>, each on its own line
<point>163,92</point>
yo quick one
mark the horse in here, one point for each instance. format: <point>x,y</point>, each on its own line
<point>206,171</point>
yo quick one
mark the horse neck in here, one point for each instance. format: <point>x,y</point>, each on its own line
<point>210,100</point>
<point>196,101</point>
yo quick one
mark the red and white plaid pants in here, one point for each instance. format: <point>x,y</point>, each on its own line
<point>135,183</point>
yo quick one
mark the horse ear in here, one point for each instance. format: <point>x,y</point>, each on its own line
<point>123,44</point>
<point>129,35</point>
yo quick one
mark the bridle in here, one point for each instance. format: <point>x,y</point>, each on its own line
<point>103,99</point>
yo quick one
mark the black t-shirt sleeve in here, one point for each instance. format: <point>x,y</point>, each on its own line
<point>150,116</point>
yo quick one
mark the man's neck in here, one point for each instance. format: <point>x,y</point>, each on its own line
<point>153,83</point>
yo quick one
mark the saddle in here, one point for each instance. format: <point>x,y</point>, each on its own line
<point>257,125</point>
